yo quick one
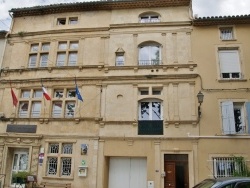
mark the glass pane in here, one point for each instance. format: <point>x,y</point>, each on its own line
<point>65,166</point>
<point>61,21</point>
<point>119,60</point>
<point>144,58</point>
<point>54,148</point>
<point>32,61</point>
<point>70,109</point>
<point>34,48</point>
<point>144,111</point>
<point>52,166</point>
<point>156,92</point>
<point>25,94</point>
<point>73,21</point>
<point>61,59</point>
<point>71,93</point>
<point>44,60</point>
<point>67,148</point>
<point>36,109</point>
<point>15,162</point>
<point>156,111</point>
<point>57,109</point>
<point>38,94</point>
<point>58,93</point>
<point>155,55</point>
<point>72,58</point>
<point>23,109</point>
<point>23,162</point>
<point>45,47</point>
<point>62,46</point>
<point>73,45</point>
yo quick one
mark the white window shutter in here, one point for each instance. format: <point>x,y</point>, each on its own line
<point>248,115</point>
<point>229,61</point>
<point>228,121</point>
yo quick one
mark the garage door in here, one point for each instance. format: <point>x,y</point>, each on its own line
<point>127,172</point>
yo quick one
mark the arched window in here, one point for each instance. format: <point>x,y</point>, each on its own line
<point>149,17</point>
<point>150,54</point>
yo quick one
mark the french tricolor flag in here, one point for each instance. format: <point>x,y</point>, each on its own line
<point>45,93</point>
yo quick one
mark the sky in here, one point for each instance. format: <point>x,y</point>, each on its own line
<point>202,8</point>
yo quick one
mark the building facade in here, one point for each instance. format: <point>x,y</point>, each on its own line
<point>138,67</point>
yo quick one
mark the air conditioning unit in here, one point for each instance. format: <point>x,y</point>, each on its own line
<point>2,115</point>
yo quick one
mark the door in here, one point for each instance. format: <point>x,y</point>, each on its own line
<point>19,162</point>
<point>126,172</point>
<point>176,170</point>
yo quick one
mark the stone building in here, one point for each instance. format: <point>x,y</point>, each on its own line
<point>138,66</point>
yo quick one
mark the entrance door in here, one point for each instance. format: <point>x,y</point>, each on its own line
<point>176,170</point>
<point>20,161</point>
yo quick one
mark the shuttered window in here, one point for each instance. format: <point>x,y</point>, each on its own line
<point>229,64</point>
<point>228,117</point>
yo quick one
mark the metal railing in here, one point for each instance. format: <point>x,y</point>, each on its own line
<point>149,62</point>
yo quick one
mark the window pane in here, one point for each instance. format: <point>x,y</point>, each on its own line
<point>156,111</point>
<point>52,166</point>
<point>71,93</point>
<point>45,47</point>
<point>34,48</point>
<point>57,109</point>
<point>67,148</point>
<point>61,59</point>
<point>23,162</point>
<point>119,60</point>
<point>36,109</point>
<point>65,166</point>
<point>73,21</point>
<point>32,61</point>
<point>23,109</point>
<point>70,109</point>
<point>144,91</point>
<point>38,94</point>
<point>144,57</point>
<point>25,94</point>
<point>72,58</point>
<point>156,92</point>
<point>226,33</point>
<point>62,46</point>
<point>73,45</point>
<point>54,148</point>
<point>144,111</point>
<point>61,21</point>
<point>58,93</point>
<point>44,60</point>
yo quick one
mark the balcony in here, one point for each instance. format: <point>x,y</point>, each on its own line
<point>149,62</point>
<point>150,127</point>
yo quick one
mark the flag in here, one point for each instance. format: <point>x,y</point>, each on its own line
<point>45,93</point>
<point>14,98</point>
<point>78,94</point>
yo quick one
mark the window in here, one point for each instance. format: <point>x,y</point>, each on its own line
<point>149,55</point>
<point>150,110</point>
<point>64,103</point>
<point>119,60</point>
<point>229,64</point>
<point>67,53</point>
<point>228,166</point>
<point>30,106</point>
<point>149,18</point>
<point>233,117</point>
<point>59,159</point>
<point>150,91</point>
<point>226,33</point>
<point>39,54</point>
<point>73,21</point>
<point>67,20</point>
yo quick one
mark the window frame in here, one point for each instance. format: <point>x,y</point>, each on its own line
<point>59,155</point>
<point>148,17</point>
<point>63,99</point>
<point>150,61</point>
<point>225,35</point>
<point>64,51</point>
<point>29,98</point>
<point>230,66</point>
<point>150,116</point>
<point>37,51</point>
<point>229,124</point>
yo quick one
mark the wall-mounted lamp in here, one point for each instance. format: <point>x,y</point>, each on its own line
<point>200,97</point>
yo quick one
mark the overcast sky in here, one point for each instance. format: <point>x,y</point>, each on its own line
<point>200,7</point>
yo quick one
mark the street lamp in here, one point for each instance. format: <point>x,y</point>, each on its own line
<point>200,97</point>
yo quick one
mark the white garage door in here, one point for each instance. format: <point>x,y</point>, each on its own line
<point>127,172</point>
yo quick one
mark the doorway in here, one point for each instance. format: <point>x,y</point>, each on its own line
<point>176,171</point>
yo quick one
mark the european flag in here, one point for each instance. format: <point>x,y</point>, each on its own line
<point>78,94</point>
